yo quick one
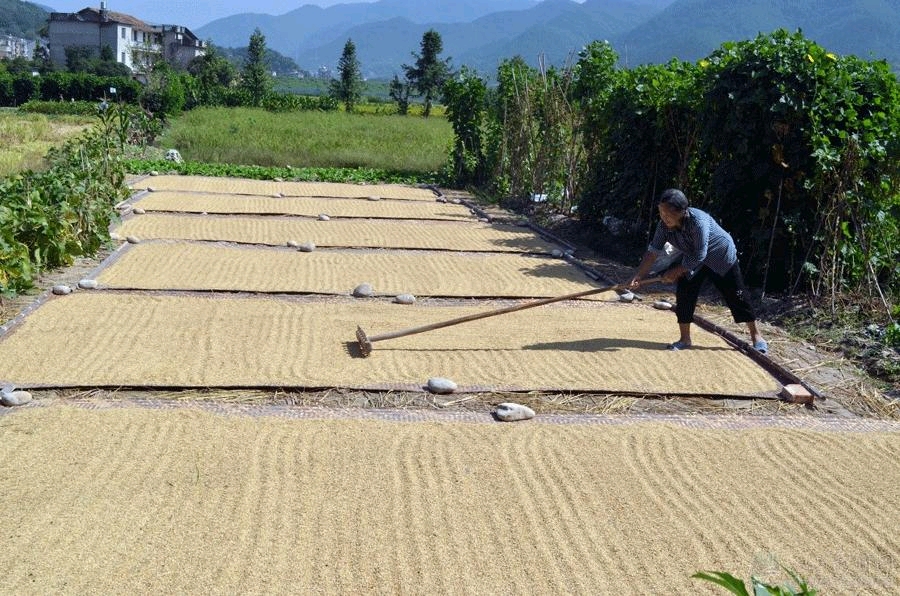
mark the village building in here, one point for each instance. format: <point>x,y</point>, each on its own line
<point>16,47</point>
<point>133,42</point>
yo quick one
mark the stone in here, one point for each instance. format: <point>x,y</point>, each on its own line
<point>512,412</point>
<point>278,179</point>
<point>115,236</point>
<point>440,385</point>
<point>456,201</point>
<point>662,305</point>
<point>174,156</point>
<point>405,299</point>
<point>278,195</point>
<point>153,173</point>
<point>626,297</point>
<point>441,199</point>
<point>373,198</point>
<point>306,247</point>
<point>323,217</point>
<point>797,394</point>
<point>138,211</point>
<point>61,290</point>
<point>132,240</point>
<point>556,253</point>
<point>293,244</point>
<point>11,399</point>
<point>364,290</point>
<point>88,284</point>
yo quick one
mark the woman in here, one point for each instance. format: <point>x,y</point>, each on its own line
<point>708,253</point>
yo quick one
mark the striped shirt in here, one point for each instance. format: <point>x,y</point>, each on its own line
<point>701,241</point>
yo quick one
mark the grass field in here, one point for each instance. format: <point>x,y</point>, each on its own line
<point>310,139</point>
<point>26,138</point>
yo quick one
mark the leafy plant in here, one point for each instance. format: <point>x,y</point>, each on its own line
<point>348,175</point>
<point>464,97</point>
<point>50,217</point>
<point>739,588</point>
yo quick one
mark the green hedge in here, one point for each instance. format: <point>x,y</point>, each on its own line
<point>18,89</point>
<point>794,149</point>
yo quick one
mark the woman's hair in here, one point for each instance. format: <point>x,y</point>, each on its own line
<point>675,199</point>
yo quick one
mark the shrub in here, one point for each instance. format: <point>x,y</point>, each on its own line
<point>49,218</point>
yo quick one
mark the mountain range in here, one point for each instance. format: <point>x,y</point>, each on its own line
<point>481,33</point>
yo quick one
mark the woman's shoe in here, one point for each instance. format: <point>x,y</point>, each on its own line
<point>761,346</point>
<point>679,345</point>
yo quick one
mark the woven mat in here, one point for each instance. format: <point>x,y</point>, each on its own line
<point>98,338</point>
<point>373,233</point>
<point>182,501</point>
<point>309,206</point>
<point>179,265</point>
<point>286,188</point>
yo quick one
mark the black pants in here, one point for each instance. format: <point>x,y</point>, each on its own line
<point>730,285</point>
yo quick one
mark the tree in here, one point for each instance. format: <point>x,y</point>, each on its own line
<point>78,58</point>
<point>213,74</point>
<point>255,76</point>
<point>429,73</point>
<point>164,93</point>
<point>347,88</point>
<point>399,92</point>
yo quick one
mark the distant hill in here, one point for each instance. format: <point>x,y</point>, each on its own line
<point>310,26</point>
<point>641,31</point>
<point>692,29</point>
<point>481,33</point>
<point>555,28</point>
<point>22,19</point>
<point>275,61</point>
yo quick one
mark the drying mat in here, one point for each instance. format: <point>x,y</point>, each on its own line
<point>178,265</point>
<point>133,500</point>
<point>375,233</point>
<point>308,206</point>
<point>294,189</point>
<point>121,339</point>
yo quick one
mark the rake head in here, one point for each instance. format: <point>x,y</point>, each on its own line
<point>365,346</point>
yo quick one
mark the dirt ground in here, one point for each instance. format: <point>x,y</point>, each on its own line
<point>845,389</point>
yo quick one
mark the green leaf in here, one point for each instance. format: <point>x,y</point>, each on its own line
<point>724,579</point>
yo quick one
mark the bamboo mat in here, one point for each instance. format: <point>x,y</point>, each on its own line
<point>180,201</point>
<point>171,265</point>
<point>371,233</point>
<point>286,188</point>
<point>118,339</point>
<point>184,501</point>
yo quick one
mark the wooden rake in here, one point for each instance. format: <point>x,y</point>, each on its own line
<point>365,342</point>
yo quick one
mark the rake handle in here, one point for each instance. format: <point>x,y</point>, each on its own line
<point>500,311</point>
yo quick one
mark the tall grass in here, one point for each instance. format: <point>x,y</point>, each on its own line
<point>310,139</point>
<point>26,138</point>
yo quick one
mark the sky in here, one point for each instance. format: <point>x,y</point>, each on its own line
<point>192,14</point>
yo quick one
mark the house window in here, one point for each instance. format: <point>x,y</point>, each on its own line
<point>124,33</point>
<point>123,58</point>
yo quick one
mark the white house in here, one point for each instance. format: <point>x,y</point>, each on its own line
<point>133,42</point>
<point>16,47</point>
